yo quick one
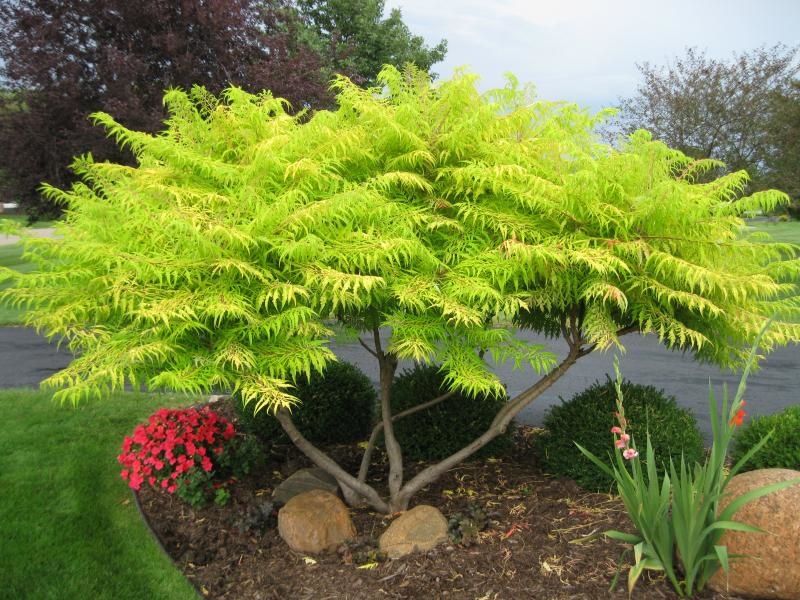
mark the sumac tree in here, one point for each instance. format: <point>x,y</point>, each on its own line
<point>225,257</point>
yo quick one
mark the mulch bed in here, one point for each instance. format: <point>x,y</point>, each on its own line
<point>532,545</point>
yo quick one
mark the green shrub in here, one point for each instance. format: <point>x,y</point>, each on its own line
<point>588,417</point>
<point>438,432</point>
<point>336,407</point>
<point>783,448</point>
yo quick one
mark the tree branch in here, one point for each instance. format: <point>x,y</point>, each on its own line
<point>367,348</point>
<point>327,464</point>
<point>627,330</point>
<point>373,438</point>
<point>388,366</point>
<point>499,424</point>
<point>376,335</point>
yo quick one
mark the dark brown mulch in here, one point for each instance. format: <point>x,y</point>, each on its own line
<point>531,546</point>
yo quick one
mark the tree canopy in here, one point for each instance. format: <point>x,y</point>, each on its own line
<point>437,211</point>
<point>359,40</point>
<point>62,60</point>
<point>782,164</point>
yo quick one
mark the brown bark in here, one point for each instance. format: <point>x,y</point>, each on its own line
<point>373,438</point>
<point>327,464</point>
<point>388,366</point>
<point>498,426</point>
<point>354,489</point>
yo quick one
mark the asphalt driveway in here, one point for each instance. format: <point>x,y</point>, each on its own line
<point>26,359</point>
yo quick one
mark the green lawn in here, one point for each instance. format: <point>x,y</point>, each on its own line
<point>11,256</point>
<point>786,231</point>
<point>23,220</point>
<point>68,526</point>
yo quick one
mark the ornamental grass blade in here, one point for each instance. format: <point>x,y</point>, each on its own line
<point>637,569</point>
<point>731,526</point>
<point>599,463</point>
<point>722,556</point>
<point>628,538</point>
<point>749,454</point>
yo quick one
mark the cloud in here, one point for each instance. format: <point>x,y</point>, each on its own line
<point>547,13</point>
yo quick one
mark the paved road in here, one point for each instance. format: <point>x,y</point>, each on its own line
<point>7,240</point>
<point>26,359</point>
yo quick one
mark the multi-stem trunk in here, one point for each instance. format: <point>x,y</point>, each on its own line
<point>356,490</point>
<point>388,366</point>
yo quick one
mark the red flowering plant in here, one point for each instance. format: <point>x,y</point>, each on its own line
<point>183,451</point>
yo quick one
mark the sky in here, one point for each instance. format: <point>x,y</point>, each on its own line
<point>586,51</point>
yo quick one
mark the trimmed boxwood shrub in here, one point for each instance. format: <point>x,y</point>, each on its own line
<point>783,448</point>
<point>587,418</point>
<point>439,431</point>
<point>336,407</point>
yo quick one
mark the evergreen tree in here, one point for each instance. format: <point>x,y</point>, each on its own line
<point>439,212</point>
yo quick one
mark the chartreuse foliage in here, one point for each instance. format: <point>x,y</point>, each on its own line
<point>436,210</point>
<point>336,407</point>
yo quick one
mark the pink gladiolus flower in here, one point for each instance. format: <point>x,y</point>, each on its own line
<point>616,430</point>
<point>620,444</point>
<point>630,453</point>
<point>625,438</point>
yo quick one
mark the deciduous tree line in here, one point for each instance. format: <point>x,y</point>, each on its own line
<point>64,59</point>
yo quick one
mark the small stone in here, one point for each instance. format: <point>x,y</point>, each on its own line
<point>214,398</point>
<point>304,480</point>
<point>771,568</point>
<point>315,521</point>
<point>416,530</point>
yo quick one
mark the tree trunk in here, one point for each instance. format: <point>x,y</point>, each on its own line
<point>356,488</point>
<point>388,366</point>
<point>498,426</point>
<point>327,464</point>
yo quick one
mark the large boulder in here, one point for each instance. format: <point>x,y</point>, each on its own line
<point>771,568</point>
<point>315,521</point>
<point>304,480</point>
<point>416,530</point>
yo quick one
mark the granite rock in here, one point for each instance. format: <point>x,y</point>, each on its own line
<point>416,530</point>
<point>771,568</point>
<point>315,521</point>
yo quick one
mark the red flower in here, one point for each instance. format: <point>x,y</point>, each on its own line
<point>171,445</point>
<point>738,418</point>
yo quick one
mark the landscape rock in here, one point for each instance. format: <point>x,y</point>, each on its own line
<point>315,521</point>
<point>772,566</point>
<point>416,530</point>
<point>304,480</point>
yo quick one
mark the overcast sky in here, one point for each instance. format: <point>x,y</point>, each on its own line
<point>586,51</point>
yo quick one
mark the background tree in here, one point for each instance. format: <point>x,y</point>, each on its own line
<point>359,40</point>
<point>782,164</point>
<point>62,60</point>
<point>437,212</point>
<point>711,108</point>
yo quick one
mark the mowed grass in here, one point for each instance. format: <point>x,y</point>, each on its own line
<point>785,231</point>
<point>23,220</point>
<point>68,525</point>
